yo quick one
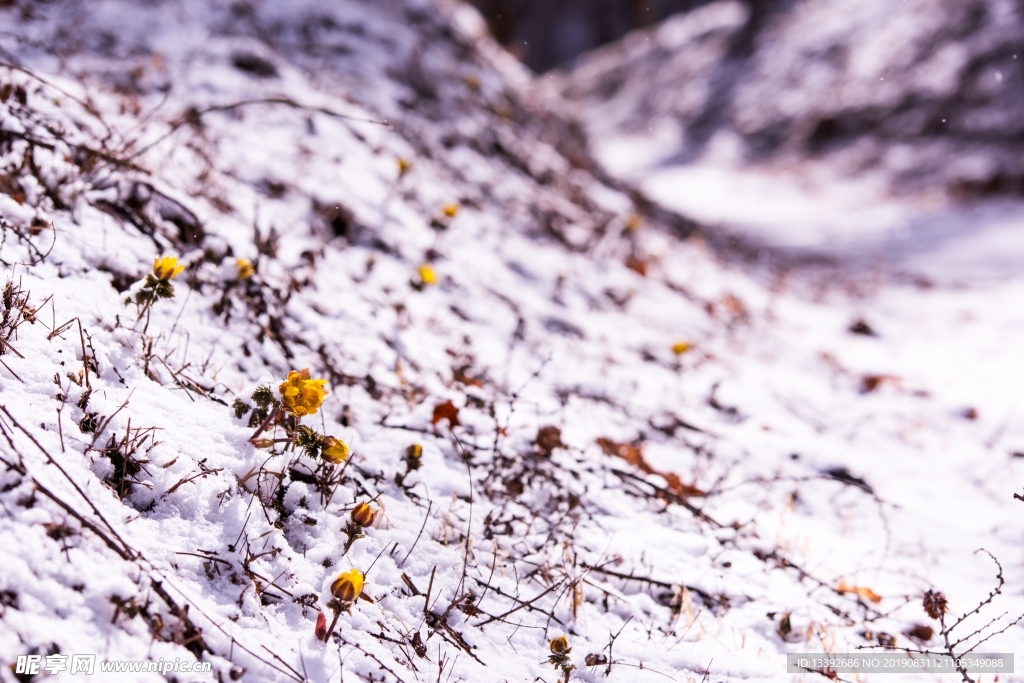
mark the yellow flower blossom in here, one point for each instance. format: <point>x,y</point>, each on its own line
<point>679,348</point>
<point>450,210</point>
<point>300,394</point>
<point>335,451</point>
<point>403,166</point>
<point>166,268</point>
<point>244,268</point>
<point>559,658</point>
<point>363,514</point>
<point>427,274</point>
<point>348,585</point>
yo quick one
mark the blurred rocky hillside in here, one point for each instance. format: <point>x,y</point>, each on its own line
<point>927,93</point>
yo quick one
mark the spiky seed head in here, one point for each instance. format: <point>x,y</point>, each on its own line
<point>934,604</point>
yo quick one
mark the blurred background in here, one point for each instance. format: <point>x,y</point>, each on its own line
<point>545,35</point>
<point>890,131</point>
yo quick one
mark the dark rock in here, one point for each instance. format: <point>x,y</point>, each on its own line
<point>254,65</point>
<point>861,327</point>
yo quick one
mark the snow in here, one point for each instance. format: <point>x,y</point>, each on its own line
<point>811,211</point>
<point>538,314</point>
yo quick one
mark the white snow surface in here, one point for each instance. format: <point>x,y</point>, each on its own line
<point>536,320</point>
<point>812,211</point>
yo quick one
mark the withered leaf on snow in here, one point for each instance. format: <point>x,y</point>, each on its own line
<point>548,439</point>
<point>632,454</point>
<point>861,591</point>
<point>869,383</point>
<point>920,632</point>
<point>446,411</point>
<point>637,265</point>
<point>462,376</point>
<point>320,630</point>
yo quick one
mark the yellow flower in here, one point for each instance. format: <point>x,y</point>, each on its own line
<point>300,394</point>
<point>166,268</point>
<point>427,274</point>
<point>403,166</point>
<point>244,268</point>
<point>363,514</point>
<point>679,348</point>
<point>334,450</point>
<point>559,645</point>
<point>348,585</point>
<point>450,210</point>
<point>414,452</point>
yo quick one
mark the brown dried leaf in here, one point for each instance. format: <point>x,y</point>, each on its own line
<point>637,264</point>
<point>626,451</point>
<point>633,455</point>
<point>785,627</point>
<point>861,591</point>
<point>920,633</point>
<point>419,646</point>
<point>462,376</point>
<point>734,307</point>
<point>446,411</point>
<point>869,383</point>
<point>548,439</point>
<point>321,627</point>
<point>514,486</point>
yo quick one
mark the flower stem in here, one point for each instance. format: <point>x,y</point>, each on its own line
<point>270,418</point>
<point>334,622</point>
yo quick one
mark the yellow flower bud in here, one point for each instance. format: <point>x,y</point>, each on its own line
<point>334,450</point>
<point>427,274</point>
<point>166,268</point>
<point>415,451</point>
<point>363,514</point>
<point>348,585</point>
<point>679,348</point>
<point>244,268</point>
<point>559,645</point>
<point>403,166</point>
<point>450,209</point>
<point>300,394</point>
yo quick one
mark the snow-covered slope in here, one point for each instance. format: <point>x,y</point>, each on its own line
<point>425,238</point>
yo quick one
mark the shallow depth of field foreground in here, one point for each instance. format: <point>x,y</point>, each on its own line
<point>328,352</point>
